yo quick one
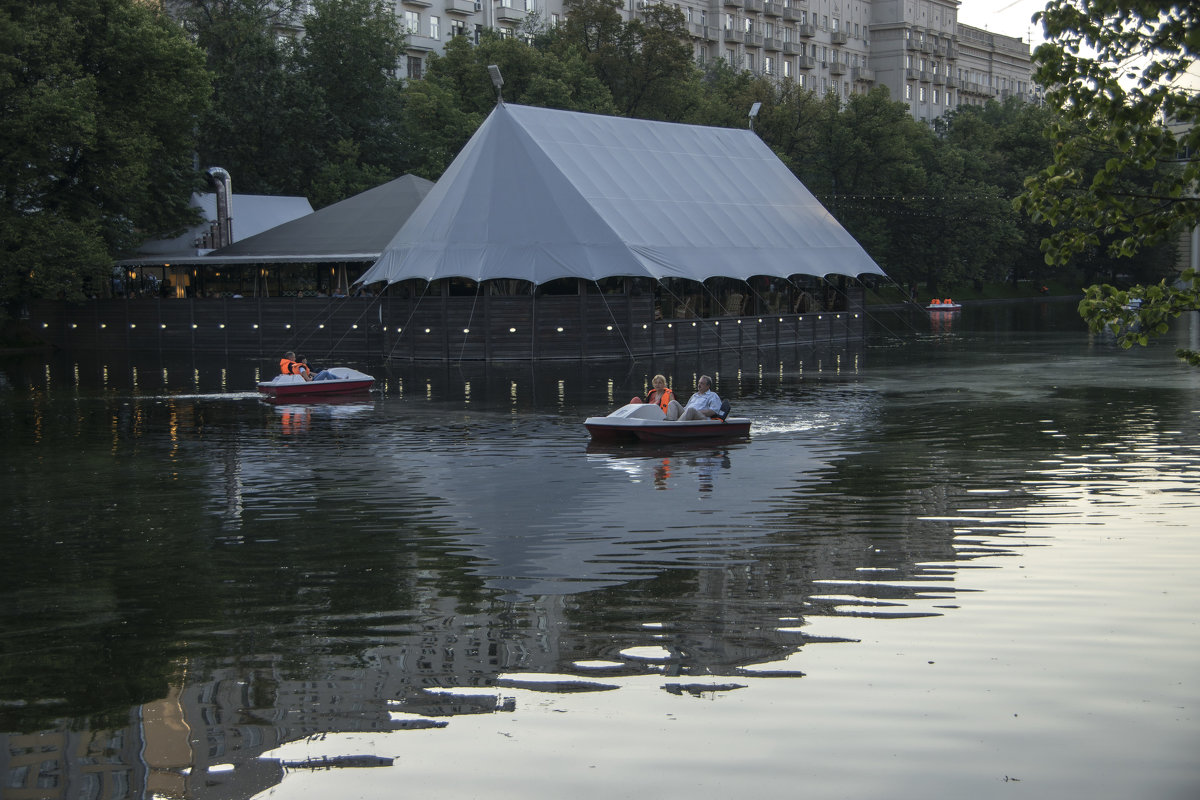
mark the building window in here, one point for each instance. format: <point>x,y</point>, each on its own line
<point>412,23</point>
<point>435,27</point>
<point>935,97</point>
<point>922,98</point>
<point>458,27</point>
<point>728,21</point>
<point>414,68</point>
<point>908,91</point>
<point>750,62</point>
<point>769,65</point>
<point>731,57</point>
<point>749,23</point>
<point>787,68</point>
<point>835,24</point>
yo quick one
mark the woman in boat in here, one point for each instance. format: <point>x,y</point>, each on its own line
<point>663,397</point>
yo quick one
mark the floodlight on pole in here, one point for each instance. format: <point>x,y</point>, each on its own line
<point>497,81</point>
<point>754,113</point>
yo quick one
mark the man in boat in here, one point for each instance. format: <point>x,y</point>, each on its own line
<point>289,365</point>
<point>323,375</point>
<point>704,404</point>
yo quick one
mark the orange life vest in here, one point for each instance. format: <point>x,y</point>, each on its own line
<point>289,367</point>
<point>664,399</point>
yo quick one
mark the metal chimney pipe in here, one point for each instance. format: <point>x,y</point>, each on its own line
<point>224,186</point>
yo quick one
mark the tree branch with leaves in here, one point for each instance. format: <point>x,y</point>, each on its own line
<point>1126,147</point>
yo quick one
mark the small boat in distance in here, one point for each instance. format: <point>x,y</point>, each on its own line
<point>344,381</point>
<point>943,305</point>
<point>646,422</point>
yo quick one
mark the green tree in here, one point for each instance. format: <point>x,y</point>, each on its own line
<point>1125,160</point>
<point>257,105</point>
<point>646,63</point>
<point>994,148</point>
<point>346,65</point>
<point>99,100</point>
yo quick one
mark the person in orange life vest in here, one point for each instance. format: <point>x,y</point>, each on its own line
<point>663,397</point>
<point>288,365</point>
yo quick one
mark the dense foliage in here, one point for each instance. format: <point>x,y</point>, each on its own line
<point>327,114</point>
<point>99,101</point>
<point>1125,161</point>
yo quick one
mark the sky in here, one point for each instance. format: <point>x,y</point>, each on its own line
<point>1007,17</point>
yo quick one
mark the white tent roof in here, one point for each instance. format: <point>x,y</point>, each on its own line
<point>252,214</point>
<point>539,194</point>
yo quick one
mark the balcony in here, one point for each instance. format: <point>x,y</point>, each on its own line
<point>837,68</point>
<point>425,44</point>
<point>839,37</point>
<point>925,76</point>
<point>510,14</point>
<point>421,3</point>
<point>911,74</point>
<point>939,79</point>
<point>807,30</point>
<point>734,3</point>
<point>754,5</point>
<point>791,47</point>
<point>806,62</point>
<point>772,9</point>
<point>792,14</point>
<point>951,82</point>
<point>771,43</point>
<point>463,7</point>
<point>752,39</point>
<point>862,75</point>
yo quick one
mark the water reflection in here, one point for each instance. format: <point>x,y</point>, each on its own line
<point>231,575</point>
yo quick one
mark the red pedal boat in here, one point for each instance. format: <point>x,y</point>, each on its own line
<point>646,422</point>
<point>343,381</point>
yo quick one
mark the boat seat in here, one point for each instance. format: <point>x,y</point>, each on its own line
<point>724,412</point>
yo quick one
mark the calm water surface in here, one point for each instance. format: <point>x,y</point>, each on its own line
<point>958,561</point>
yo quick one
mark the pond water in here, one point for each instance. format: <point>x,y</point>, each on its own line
<point>958,560</point>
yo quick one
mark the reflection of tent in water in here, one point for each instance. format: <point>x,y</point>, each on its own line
<point>639,220</point>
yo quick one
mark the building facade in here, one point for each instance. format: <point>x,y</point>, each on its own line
<point>916,48</point>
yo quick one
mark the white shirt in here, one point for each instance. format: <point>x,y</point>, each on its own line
<point>705,401</point>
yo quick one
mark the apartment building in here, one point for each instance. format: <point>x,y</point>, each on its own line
<point>916,48</point>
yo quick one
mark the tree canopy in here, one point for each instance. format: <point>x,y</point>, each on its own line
<point>1126,147</point>
<point>99,101</point>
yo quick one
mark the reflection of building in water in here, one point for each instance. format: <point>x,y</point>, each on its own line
<point>209,734</point>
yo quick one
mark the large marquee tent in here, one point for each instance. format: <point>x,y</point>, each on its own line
<point>539,194</point>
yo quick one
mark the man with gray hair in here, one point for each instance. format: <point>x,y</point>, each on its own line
<point>704,404</point>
